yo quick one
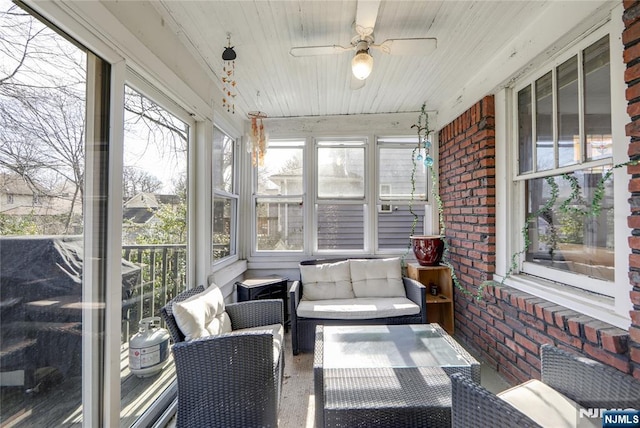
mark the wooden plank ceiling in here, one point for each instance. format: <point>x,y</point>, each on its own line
<point>263,32</point>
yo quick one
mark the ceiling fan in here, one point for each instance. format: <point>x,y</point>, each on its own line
<point>362,62</point>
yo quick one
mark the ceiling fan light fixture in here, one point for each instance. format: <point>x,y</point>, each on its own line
<point>362,64</point>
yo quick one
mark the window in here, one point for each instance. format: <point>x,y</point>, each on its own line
<point>155,255</point>
<point>47,327</point>
<point>341,202</point>
<point>565,149</point>
<point>279,215</point>
<point>225,197</point>
<point>356,196</point>
<point>396,210</point>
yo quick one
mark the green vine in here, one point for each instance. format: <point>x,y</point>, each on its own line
<point>570,207</point>
<point>595,207</point>
<point>423,131</point>
<point>525,229</point>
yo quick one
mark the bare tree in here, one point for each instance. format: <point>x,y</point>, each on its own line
<point>42,99</point>
<point>135,181</point>
<point>42,110</point>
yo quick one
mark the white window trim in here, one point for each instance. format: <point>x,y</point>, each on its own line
<point>509,194</point>
<point>255,198</point>
<point>222,194</point>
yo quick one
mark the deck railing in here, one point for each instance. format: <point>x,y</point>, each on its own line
<point>163,273</point>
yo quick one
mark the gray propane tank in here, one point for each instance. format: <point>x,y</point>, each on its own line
<point>149,348</point>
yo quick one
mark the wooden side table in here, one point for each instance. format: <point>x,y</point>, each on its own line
<point>440,306</point>
<point>268,287</point>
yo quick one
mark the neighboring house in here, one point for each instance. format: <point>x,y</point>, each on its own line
<point>141,210</point>
<point>47,208</point>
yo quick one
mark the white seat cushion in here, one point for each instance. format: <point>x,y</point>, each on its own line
<point>377,278</point>
<point>546,406</point>
<point>357,309</point>
<point>202,315</point>
<point>326,281</point>
<point>278,336</point>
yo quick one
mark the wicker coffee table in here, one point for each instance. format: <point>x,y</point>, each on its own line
<point>386,375</point>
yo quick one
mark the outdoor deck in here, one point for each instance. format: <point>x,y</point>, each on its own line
<point>58,399</point>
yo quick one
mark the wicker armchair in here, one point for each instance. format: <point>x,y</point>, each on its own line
<point>589,383</point>
<point>229,380</point>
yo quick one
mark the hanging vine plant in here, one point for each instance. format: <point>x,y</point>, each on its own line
<point>569,207</point>
<point>423,131</point>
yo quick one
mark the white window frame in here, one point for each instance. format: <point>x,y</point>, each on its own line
<point>510,215</point>
<point>365,201</point>
<point>406,142</point>
<point>301,198</point>
<point>234,197</point>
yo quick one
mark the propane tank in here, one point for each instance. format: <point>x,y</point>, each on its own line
<point>149,348</point>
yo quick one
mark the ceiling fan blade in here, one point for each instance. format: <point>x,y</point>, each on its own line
<point>318,50</point>
<point>408,46</point>
<point>356,83</point>
<point>367,13</point>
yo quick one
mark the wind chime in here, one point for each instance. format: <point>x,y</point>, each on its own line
<point>228,80</point>
<point>257,137</point>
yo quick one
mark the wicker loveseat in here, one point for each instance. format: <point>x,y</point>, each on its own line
<point>394,299</point>
<point>232,379</point>
<point>572,388</point>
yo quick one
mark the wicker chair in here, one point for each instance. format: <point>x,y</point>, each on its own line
<point>589,383</point>
<point>229,380</point>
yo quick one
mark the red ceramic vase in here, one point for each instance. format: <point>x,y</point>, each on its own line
<point>427,249</point>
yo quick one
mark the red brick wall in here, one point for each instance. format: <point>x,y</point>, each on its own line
<point>506,326</point>
<point>468,193</point>
<point>631,40</point>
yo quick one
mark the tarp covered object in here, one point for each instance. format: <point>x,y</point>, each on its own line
<point>41,267</point>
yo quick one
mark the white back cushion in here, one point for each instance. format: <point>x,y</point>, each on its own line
<point>202,315</point>
<point>377,278</point>
<point>326,281</point>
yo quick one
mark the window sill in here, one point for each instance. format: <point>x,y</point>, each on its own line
<point>591,304</point>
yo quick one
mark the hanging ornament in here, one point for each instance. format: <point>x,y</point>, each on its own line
<point>257,138</point>
<point>228,79</point>
<point>423,138</point>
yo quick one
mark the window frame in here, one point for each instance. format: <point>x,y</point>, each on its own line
<point>409,143</point>
<point>564,277</point>
<point>301,198</point>
<point>365,201</point>
<point>232,196</point>
<point>510,216</point>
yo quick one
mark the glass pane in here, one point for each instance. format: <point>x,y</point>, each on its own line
<point>222,161</point>
<point>573,239</point>
<point>597,100</point>
<point>281,173</point>
<point>525,118</point>
<point>42,163</point>
<point>153,243</point>
<point>394,225</point>
<point>341,172</point>
<point>223,215</point>
<point>545,156</point>
<point>568,113</point>
<point>395,174</point>
<point>341,227</point>
<point>279,225</point>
